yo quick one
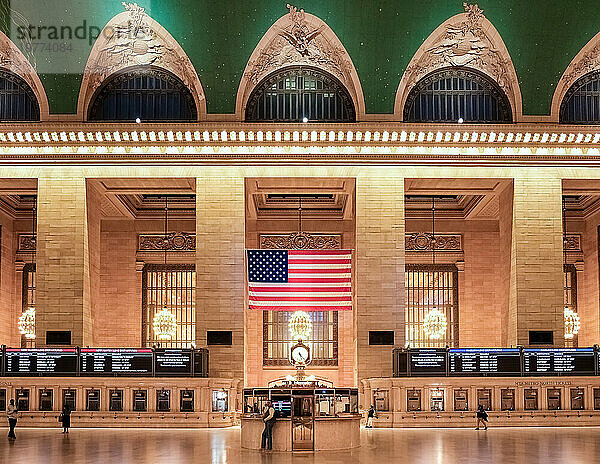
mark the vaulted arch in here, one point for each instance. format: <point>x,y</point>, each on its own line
<point>18,73</point>
<point>299,39</point>
<point>466,40</point>
<point>134,39</point>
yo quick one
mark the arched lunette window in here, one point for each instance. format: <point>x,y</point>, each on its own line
<point>17,100</point>
<point>148,93</point>
<point>581,103</point>
<point>295,93</point>
<point>457,95</point>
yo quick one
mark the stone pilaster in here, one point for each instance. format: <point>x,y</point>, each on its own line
<point>64,289</point>
<point>379,270</point>
<point>220,282</point>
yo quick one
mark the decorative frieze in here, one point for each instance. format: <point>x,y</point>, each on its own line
<point>175,241</point>
<point>423,241</point>
<point>301,241</point>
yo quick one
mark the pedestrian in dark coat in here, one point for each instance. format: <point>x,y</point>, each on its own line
<point>65,418</point>
<point>482,417</point>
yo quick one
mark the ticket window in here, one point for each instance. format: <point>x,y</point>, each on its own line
<point>186,400</point>
<point>140,400</point>
<point>596,399</point>
<point>23,399</point>
<point>381,400</point>
<point>116,400</point>
<point>577,399</point>
<point>507,399</point>
<point>461,400</point>
<point>68,398</point>
<point>413,400</point>
<point>484,398</point>
<point>2,399</point>
<point>92,400</point>
<point>46,395</point>
<point>163,400</point>
<point>531,399</point>
<point>437,399</point>
<point>220,401</point>
<point>553,399</point>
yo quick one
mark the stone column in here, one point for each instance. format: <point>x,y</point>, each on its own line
<point>379,270</point>
<point>67,258</point>
<point>536,259</point>
<point>220,281</point>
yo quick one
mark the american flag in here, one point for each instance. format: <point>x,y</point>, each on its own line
<point>310,280</point>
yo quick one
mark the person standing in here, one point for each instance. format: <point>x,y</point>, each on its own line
<point>370,416</point>
<point>482,417</point>
<point>65,418</point>
<point>12,414</point>
<point>269,420</point>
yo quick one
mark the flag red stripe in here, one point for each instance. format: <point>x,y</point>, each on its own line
<point>318,252</point>
<point>317,261</point>
<point>303,308</point>
<point>302,298</point>
<point>342,270</point>
<point>319,280</point>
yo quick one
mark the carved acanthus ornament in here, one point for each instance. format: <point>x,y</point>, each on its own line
<point>589,62</point>
<point>572,242</point>
<point>27,242</point>
<point>423,241</point>
<point>133,40</point>
<point>301,241</point>
<point>464,43</point>
<point>176,241</point>
<point>300,43</point>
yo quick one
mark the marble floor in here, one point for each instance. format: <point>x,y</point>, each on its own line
<point>381,446</point>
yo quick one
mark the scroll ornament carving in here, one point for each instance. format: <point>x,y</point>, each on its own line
<point>301,241</point>
<point>176,241</point>
<point>465,43</point>
<point>589,62</point>
<point>135,42</point>
<point>572,242</point>
<point>10,59</point>
<point>297,44</point>
<point>27,242</point>
<point>423,241</point>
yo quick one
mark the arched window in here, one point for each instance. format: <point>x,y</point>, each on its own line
<point>148,93</point>
<point>295,93</point>
<point>17,100</point>
<point>581,104</point>
<point>457,95</point>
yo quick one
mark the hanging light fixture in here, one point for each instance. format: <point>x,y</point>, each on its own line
<point>571,318</point>
<point>300,325</point>
<point>26,321</point>
<point>435,322</point>
<point>165,322</point>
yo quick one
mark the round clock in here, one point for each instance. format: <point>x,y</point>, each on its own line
<point>300,354</point>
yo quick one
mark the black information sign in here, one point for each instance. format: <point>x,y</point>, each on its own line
<point>172,362</point>
<point>116,361</point>
<point>485,361</point>
<point>40,361</point>
<point>428,361</point>
<point>558,361</point>
<point>201,363</point>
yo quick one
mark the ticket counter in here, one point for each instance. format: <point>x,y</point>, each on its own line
<point>308,419</point>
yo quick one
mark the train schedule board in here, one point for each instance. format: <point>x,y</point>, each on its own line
<point>40,361</point>
<point>484,361</point>
<point>116,361</point>
<point>172,362</point>
<point>427,361</point>
<point>558,361</point>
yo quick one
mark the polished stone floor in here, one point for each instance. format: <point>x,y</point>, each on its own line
<point>380,446</point>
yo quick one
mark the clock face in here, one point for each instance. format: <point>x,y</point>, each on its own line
<point>300,354</point>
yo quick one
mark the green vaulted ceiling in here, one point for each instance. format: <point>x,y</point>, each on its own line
<point>542,37</point>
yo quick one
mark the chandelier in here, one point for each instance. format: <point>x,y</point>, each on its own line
<point>165,322</point>
<point>572,323</point>
<point>27,323</point>
<point>435,324</point>
<point>300,325</point>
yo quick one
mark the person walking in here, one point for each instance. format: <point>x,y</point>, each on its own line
<point>12,414</point>
<point>65,418</point>
<point>370,416</point>
<point>269,418</point>
<point>482,417</point>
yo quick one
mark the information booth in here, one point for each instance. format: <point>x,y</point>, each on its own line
<point>308,418</point>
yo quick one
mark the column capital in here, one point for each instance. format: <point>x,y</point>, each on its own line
<point>578,266</point>
<point>139,265</point>
<point>460,265</point>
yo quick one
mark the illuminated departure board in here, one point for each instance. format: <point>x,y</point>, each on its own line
<point>40,361</point>
<point>172,362</point>
<point>427,361</point>
<point>558,361</point>
<point>116,361</point>
<point>484,361</point>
